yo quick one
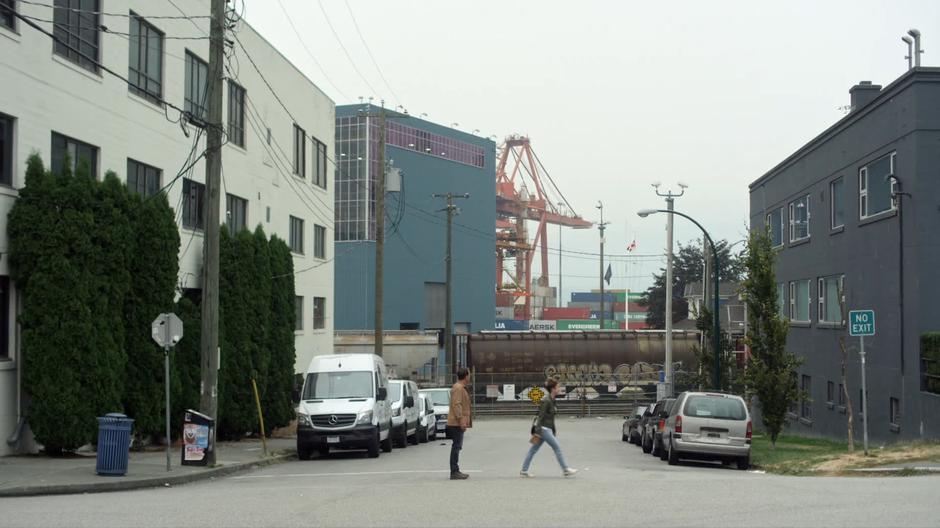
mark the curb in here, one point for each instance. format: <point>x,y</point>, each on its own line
<point>151,482</point>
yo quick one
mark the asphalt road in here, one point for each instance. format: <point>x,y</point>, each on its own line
<point>618,486</point>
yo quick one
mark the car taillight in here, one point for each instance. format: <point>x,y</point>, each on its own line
<point>678,424</point>
<point>662,424</point>
<point>749,431</point>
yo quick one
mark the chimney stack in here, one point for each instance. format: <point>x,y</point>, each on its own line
<point>863,93</point>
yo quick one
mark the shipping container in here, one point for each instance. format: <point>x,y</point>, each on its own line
<point>596,314</point>
<point>636,307</point>
<point>505,299</point>
<point>504,312</point>
<point>511,324</point>
<point>620,316</point>
<point>539,325</point>
<point>591,297</point>
<point>635,296</point>
<point>586,324</point>
<point>565,313</point>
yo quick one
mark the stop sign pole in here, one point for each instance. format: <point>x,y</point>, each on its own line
<point>167,330</point>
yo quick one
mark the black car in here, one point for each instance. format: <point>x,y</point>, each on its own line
<point>651,426</point>
<point>631,426</point>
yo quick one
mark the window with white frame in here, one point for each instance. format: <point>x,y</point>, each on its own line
<point>877,187</point>
<point>296,238</point>
<point>830,297</point>
<point>319,313</point>
<point>319,241</point>
<point>300,152</point>
<point>76,25</point>
<point>837,203</point>
<point>799,301</point>
<point>196,86</point>
<point>799,219</point>
<point>319,166</point>
<point>782,299</point>
<point>298,313</point>
<point>145,62</point>
<point>775,222</point>
<point>236,213</point>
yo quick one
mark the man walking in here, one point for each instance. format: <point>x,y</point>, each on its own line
<point>458,420</point>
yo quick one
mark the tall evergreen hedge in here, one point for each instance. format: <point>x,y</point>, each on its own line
<point>154,267</point>
<point>277,396</point>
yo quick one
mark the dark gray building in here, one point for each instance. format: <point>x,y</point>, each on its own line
<point>857,210</point>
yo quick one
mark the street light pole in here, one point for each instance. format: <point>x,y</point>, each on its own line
<point>716,264</point>
<point>670,198</point>
<point>602,225</point>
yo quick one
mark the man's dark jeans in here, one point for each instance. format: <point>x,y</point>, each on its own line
<point>456,434</point>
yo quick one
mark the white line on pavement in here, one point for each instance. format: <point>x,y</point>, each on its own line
<point>356,474</point>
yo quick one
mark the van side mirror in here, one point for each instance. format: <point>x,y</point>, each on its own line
<point>382,394</point>
<point>410,401</point>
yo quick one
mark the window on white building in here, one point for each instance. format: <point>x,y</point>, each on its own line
<point>236,213</point>
<point>75,151</point>
<point>319,168</point>
<point>236,114</point>
<point>142,178</point>
<point>319,312</point>
<point>876,187</point>
<point>319,241</point>
<point>300,152</point>
<point>194,201</point>
<point>7,19</point>
<point>6,150</point>
<point>145,61</point>
<point>296,238</point>
<point>197,83</point>
<point>298,313</point>
<point>76,26</point>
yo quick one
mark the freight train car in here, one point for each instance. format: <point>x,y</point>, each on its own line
<point>603,360</point>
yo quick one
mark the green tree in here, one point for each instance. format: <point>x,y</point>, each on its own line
<point>186,373</point>
<point>688,266</point>
<point>771,369</point>
<point>732,375</point>
<point>154,268</point>
<point>277,397</point>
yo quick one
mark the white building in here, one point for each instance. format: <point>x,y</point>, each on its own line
<point>275,168</point>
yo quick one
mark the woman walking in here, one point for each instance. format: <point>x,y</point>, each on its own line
<point>544,426</point>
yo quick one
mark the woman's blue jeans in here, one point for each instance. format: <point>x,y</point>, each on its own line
<point>547,437</point>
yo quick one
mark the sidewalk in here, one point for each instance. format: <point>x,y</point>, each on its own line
<point>42,475</point>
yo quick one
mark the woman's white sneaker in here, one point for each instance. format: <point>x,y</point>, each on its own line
<point>569,472</point>
<point>525,474</point>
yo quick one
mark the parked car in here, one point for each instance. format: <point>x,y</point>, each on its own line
<point>440,400</point>
<point>631,426</point>
<point>708,426</point>
<point>427,423</point>
<point>344,404</point>
<point>653,425</point>
<point>402,395</point>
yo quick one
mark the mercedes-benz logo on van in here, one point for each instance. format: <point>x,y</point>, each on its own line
<point>333,419</point>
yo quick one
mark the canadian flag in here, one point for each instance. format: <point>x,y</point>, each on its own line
<point>632,246</point>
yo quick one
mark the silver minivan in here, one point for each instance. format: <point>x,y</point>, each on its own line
<point>708,426</point>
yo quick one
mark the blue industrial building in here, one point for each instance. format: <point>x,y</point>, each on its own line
<point>423,159</point>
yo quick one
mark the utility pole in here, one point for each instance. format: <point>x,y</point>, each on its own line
<point>448,310</point>
<point>667,364</point>
<point>380,238</point>
<point>601,226</point>
<point>209,346</point>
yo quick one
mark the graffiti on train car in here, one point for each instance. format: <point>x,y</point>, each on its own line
<point>596,374</point>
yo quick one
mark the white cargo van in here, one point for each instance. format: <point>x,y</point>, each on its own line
<point>402,396</point>
<point>344,405</point>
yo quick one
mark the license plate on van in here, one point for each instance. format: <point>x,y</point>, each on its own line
<point>332,439</point>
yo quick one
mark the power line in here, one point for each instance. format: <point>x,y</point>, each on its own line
<point>104,29</point>
<point>326,17</point>
<point>310,54</point>
<point>369,51</point>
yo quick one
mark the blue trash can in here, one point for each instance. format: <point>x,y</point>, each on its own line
<point>114,443</point>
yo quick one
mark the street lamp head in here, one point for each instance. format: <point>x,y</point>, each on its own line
<point>907,40</point>
<point>683,186</point>
<point>655,185</point>
<point>643,213</point>
<point>913,32</point>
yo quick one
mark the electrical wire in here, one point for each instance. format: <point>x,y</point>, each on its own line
<point>123,15</point>
<point>326,17</point>
<point>310,54</point>
<point>369,51</point>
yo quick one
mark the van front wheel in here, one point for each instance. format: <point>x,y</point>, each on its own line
<point>374,446</point>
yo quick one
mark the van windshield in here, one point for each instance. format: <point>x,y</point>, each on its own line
<point>439,398</point>
<point>394,391</point>
<point>715,407</point>
<point>338,385</point>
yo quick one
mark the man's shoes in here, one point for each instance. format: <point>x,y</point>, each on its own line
<point>569,472</point>
<point>526,474</point>
<point>459,476</point>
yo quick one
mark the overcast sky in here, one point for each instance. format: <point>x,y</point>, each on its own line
<point>616,95</point>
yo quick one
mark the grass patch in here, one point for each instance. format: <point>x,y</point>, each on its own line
<point>793,455</point>
<point>797,455</point>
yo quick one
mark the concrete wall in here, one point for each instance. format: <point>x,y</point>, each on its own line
<point>903,119</point>
<point>406,353</point>
<point>45,92</point>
